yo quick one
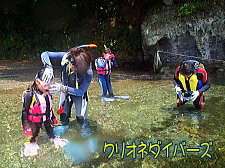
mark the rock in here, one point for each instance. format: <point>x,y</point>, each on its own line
<point>220,70</point>
<point>168,2</point>
<point>200,36</point>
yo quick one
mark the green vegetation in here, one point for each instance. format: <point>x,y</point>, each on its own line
<point>192,7</point>
<point>31,27</point>
<point>183,8</point>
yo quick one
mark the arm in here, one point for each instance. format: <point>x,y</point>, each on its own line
<point>96,65</point>
<point>112,59</point>
<point>84,86</point>
<point>205,87</point>
<point>203,76</point>
<point>46,56</point>
<point>53,118</point>
<point>176,80</point>
<point>113,62</point>
<point>26,106</point>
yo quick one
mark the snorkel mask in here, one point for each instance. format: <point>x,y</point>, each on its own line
<point>45,85</point>
<point>69,58</point>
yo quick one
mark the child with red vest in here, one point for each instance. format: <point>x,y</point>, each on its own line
<point>104,66</point>
<point>37,110</point>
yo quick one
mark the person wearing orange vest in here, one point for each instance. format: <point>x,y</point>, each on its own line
<point>191,81</point>
<point>104,66</point>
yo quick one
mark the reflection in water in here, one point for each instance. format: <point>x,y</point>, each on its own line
<point>105,109</point>
<point>79,151</point>
<point>60,130</point>
<point>194,115</point>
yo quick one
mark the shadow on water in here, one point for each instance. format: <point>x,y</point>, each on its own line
<point>79,151</point>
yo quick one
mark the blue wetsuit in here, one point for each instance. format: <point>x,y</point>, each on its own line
<point>77,96</point>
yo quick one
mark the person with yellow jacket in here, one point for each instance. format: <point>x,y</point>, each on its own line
<point>191,81</point>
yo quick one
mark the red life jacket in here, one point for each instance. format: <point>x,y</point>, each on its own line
<point>38,108</point>
<point>102,70</point>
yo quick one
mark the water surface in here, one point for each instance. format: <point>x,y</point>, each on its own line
<point>150,117</point>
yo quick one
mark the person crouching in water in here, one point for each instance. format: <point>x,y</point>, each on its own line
<point>191,81</point>
<point>37,110</point>
<point>104,66</point>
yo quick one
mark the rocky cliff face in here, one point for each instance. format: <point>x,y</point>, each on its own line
<point>199,36</point>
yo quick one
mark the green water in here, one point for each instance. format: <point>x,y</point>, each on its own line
<point>149,116</point>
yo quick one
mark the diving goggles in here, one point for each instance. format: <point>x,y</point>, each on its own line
<point>69,57</point>
<point>45,84</point>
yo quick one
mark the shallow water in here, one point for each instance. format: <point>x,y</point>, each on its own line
<point>148,119</point>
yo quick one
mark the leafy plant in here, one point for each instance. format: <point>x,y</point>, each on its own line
<point>190,8</point>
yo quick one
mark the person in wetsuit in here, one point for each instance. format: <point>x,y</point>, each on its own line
<point>76,78</point>
<point>191,80</point>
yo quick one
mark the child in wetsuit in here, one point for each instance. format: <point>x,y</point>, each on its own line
<point>37,110</point>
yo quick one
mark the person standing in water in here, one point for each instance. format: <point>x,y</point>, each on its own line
<point>37,109</point>
<point>104,66</point>
<point>76,78</point>
<point>37,114</point>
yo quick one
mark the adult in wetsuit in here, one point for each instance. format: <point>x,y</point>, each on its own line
<point>192,80</point>
<point>76,78</point>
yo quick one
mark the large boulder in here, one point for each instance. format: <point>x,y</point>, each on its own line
<point>199,36</point>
